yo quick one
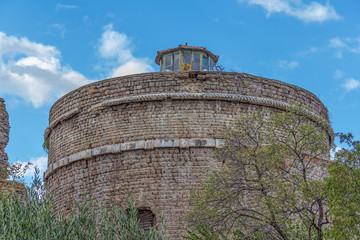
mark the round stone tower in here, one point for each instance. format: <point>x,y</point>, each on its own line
<point>154,134</point>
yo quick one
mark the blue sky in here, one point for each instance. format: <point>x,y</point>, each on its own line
<point>48,48</point>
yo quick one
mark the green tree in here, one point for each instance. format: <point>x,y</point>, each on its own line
<point>343,190</point>
<point>271,184</point>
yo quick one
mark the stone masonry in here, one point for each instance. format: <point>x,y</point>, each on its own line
<point>4,133</point>
<point>6,185</point>
<point>153,134</point>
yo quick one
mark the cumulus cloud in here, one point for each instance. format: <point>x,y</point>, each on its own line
<point>345,44</point>
<point>312,12</point>
<point>132,66</point>
<point>118,46</point>
<point>33,71</point>
<point>39,162</point>
<point>351,84</point>
<point>288,64</point>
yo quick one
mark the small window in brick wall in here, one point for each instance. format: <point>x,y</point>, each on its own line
<point>146,219</point>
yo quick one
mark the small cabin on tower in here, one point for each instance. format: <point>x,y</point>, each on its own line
<point>186,58</point>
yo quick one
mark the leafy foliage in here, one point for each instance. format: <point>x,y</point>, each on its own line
<point>15,171</point>
<point>33,218</point>
<point>270,186</point>
<point>343,190</point>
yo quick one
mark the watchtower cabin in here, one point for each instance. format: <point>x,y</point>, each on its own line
<point>186,58</point>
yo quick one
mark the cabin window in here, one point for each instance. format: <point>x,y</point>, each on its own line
<point>204,63</point>
<point>168,63</point>
<point>196,62</point>
<point>177,62</point>
<point>210,64</point>
<point>187,57</point>
<point>186,61</point>
<point>161,66</point>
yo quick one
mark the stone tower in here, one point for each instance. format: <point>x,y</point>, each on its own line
<point>154,133</point>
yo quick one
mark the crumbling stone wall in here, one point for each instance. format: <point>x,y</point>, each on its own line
<point>6,185</point>
<point>153,134</point>
<point>4,133</point>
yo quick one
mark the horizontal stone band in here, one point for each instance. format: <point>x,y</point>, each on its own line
<point>184,96</point>
<point>63,117</point>
<point>192,96</point>
<point>136,145</point>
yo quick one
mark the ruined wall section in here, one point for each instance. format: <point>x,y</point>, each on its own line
<point>4,133</point>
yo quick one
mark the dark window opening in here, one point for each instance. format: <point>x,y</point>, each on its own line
<point>146,219</point>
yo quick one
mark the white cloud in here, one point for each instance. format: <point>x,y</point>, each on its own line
<point>345,44</point>
<point>132,67</point>
<point>115,45</point>
<point>288,64</point>
<point>313,12</point>
<point>39,162</point>
<point>351,84</point>
<point>33,71</point>
<point>337,43</point>
<point>65,6</point>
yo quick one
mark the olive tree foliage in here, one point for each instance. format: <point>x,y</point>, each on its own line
<point>343,190</point>
<point>270,185</point>
<point>15,171</point>
<point>33,217</point>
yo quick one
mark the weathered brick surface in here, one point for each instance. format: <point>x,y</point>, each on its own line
<point>159,177</point>
<point>159,180</point>
<point>4,133</point>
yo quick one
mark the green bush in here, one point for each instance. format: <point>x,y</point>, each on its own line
<point>33,217</point>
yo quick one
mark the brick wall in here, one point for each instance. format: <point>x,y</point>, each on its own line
<point>153,134</point>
